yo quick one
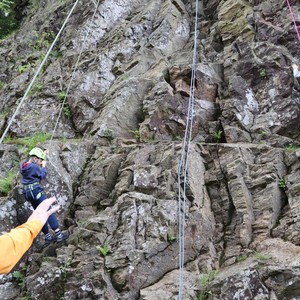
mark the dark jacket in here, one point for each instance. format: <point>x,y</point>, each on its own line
<point>31,172</point>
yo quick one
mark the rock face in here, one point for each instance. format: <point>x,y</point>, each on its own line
<point>114,94</point>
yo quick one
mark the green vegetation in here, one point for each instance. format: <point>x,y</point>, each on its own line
<point>263,73</point>
<point>43,40</point>
<point>37,87</point>
<point>217,135</point>
<point>7,183</point>
<point>24,68</point>
<point>19,276</point>
<point>241,258</point>
<point>103,251</point>
<point>108,134</point>
<point>172,238</point>
<point>29,142</point>
<point>67,111</point>
<point>204,295</point>
<point>291,147</point>
<point>8,21</point>
<point>263,133</point>
<point>64,268</point>
<point>261,256</point>
<point>61,96</point>
<point>2,85</point>
<point>136,134</point>
<point>282,183</point>
<point>205,280</point>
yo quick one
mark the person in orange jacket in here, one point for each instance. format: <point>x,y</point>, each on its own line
<point>14,244</point>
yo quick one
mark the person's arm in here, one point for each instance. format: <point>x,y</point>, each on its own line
<point>39,171</point>
<point>14,244</point>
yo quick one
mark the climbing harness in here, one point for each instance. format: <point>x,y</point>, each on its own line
<point>183,164</point>
<point>37,73</point>
<point>293,19</point>
<point>30,186</point>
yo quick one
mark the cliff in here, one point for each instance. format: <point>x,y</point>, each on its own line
<point>112,101</point>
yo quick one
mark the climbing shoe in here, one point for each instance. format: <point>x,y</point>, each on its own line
<point>49,241</point>
<point>62,237</point>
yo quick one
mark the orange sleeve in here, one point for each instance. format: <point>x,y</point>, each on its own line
<point>14,244</point>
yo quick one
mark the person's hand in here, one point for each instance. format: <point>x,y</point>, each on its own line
<point>46,151</point>
<point>42,213</point>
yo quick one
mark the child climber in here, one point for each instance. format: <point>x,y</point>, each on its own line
<point>32,172</point>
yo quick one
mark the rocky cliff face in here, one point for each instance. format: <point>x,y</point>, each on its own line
<point>114,158</point>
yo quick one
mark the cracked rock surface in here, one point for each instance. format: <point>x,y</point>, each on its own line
<point>114,157</point>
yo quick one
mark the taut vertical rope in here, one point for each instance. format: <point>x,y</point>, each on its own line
<point>73,73</point>
<point>37,73</point>
<point>184,162</point>
<point>293,19</point>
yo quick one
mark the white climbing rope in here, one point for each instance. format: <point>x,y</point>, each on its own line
<point>73,73</point>
<point>37,73</point>
<point>183,164</point>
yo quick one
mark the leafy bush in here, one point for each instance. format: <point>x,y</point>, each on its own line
<point>8,22</point>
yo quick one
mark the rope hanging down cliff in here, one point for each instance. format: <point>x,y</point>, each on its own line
<point>183,164</point>
<point>73,73</point>
<point>293,19</point>
<point>37,73</point>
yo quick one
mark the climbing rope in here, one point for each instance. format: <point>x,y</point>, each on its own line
<point>73,73</point>
<point>183,163</point>
<point>293,18</point>
<point>37,73</point>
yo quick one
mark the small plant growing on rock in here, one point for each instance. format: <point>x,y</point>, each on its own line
<point>282,183</point>
<point>7,183</point>
<point>33,140</point>
<point>24,68</point>
<point>217,135</point>
<point>204,281</point>
<point>263,73</point>
<point>136,134</point>
<point>263,133</point>
<point>61,95</point>
<point>261,256</point>
<point>172,238</point>
<point>64,268</point>
<point>43,40</point>
<point>36,88</point>
<point>103,251</point>
<point>2,85</point>
<point>19,276</point>
<point>241,258</point>
<point>291,147</point>
<point>204,296</point>
<point>67,111</point>
<point>108,134</point>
